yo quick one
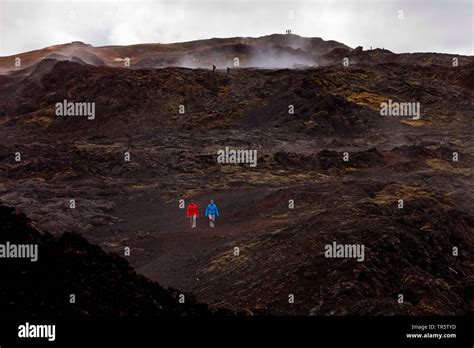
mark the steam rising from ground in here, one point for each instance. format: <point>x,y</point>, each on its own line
<point>268,59</point>
<point>277,59</point>
<point>289,53</point>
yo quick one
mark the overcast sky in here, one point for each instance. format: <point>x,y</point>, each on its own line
<point>399,25</point>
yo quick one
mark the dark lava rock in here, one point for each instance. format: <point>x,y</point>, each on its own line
<point>327,159</point>
<point>104,284</point>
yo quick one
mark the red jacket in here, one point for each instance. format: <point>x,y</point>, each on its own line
<point>193,209</point>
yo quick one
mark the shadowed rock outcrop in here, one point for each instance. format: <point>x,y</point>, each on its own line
<point>104,285</point>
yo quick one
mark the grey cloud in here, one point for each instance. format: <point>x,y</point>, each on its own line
<point>438,25</point>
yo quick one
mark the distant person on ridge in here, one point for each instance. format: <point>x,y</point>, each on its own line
<point>213,68</point>
<point>211,212</point>
<point>192,213</point>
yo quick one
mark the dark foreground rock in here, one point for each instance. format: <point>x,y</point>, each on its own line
<point>104,284</point>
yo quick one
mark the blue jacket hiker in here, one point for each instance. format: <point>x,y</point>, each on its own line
<point>211,212</point>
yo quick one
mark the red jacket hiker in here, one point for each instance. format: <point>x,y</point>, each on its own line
<point>193,209</point>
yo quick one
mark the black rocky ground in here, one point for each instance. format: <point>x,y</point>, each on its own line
<point>409,251</point>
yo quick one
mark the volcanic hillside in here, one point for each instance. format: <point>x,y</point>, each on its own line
<point>154,141</point>
<point>272,51</point>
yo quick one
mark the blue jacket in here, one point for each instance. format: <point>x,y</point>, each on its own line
<point>211,210</point>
